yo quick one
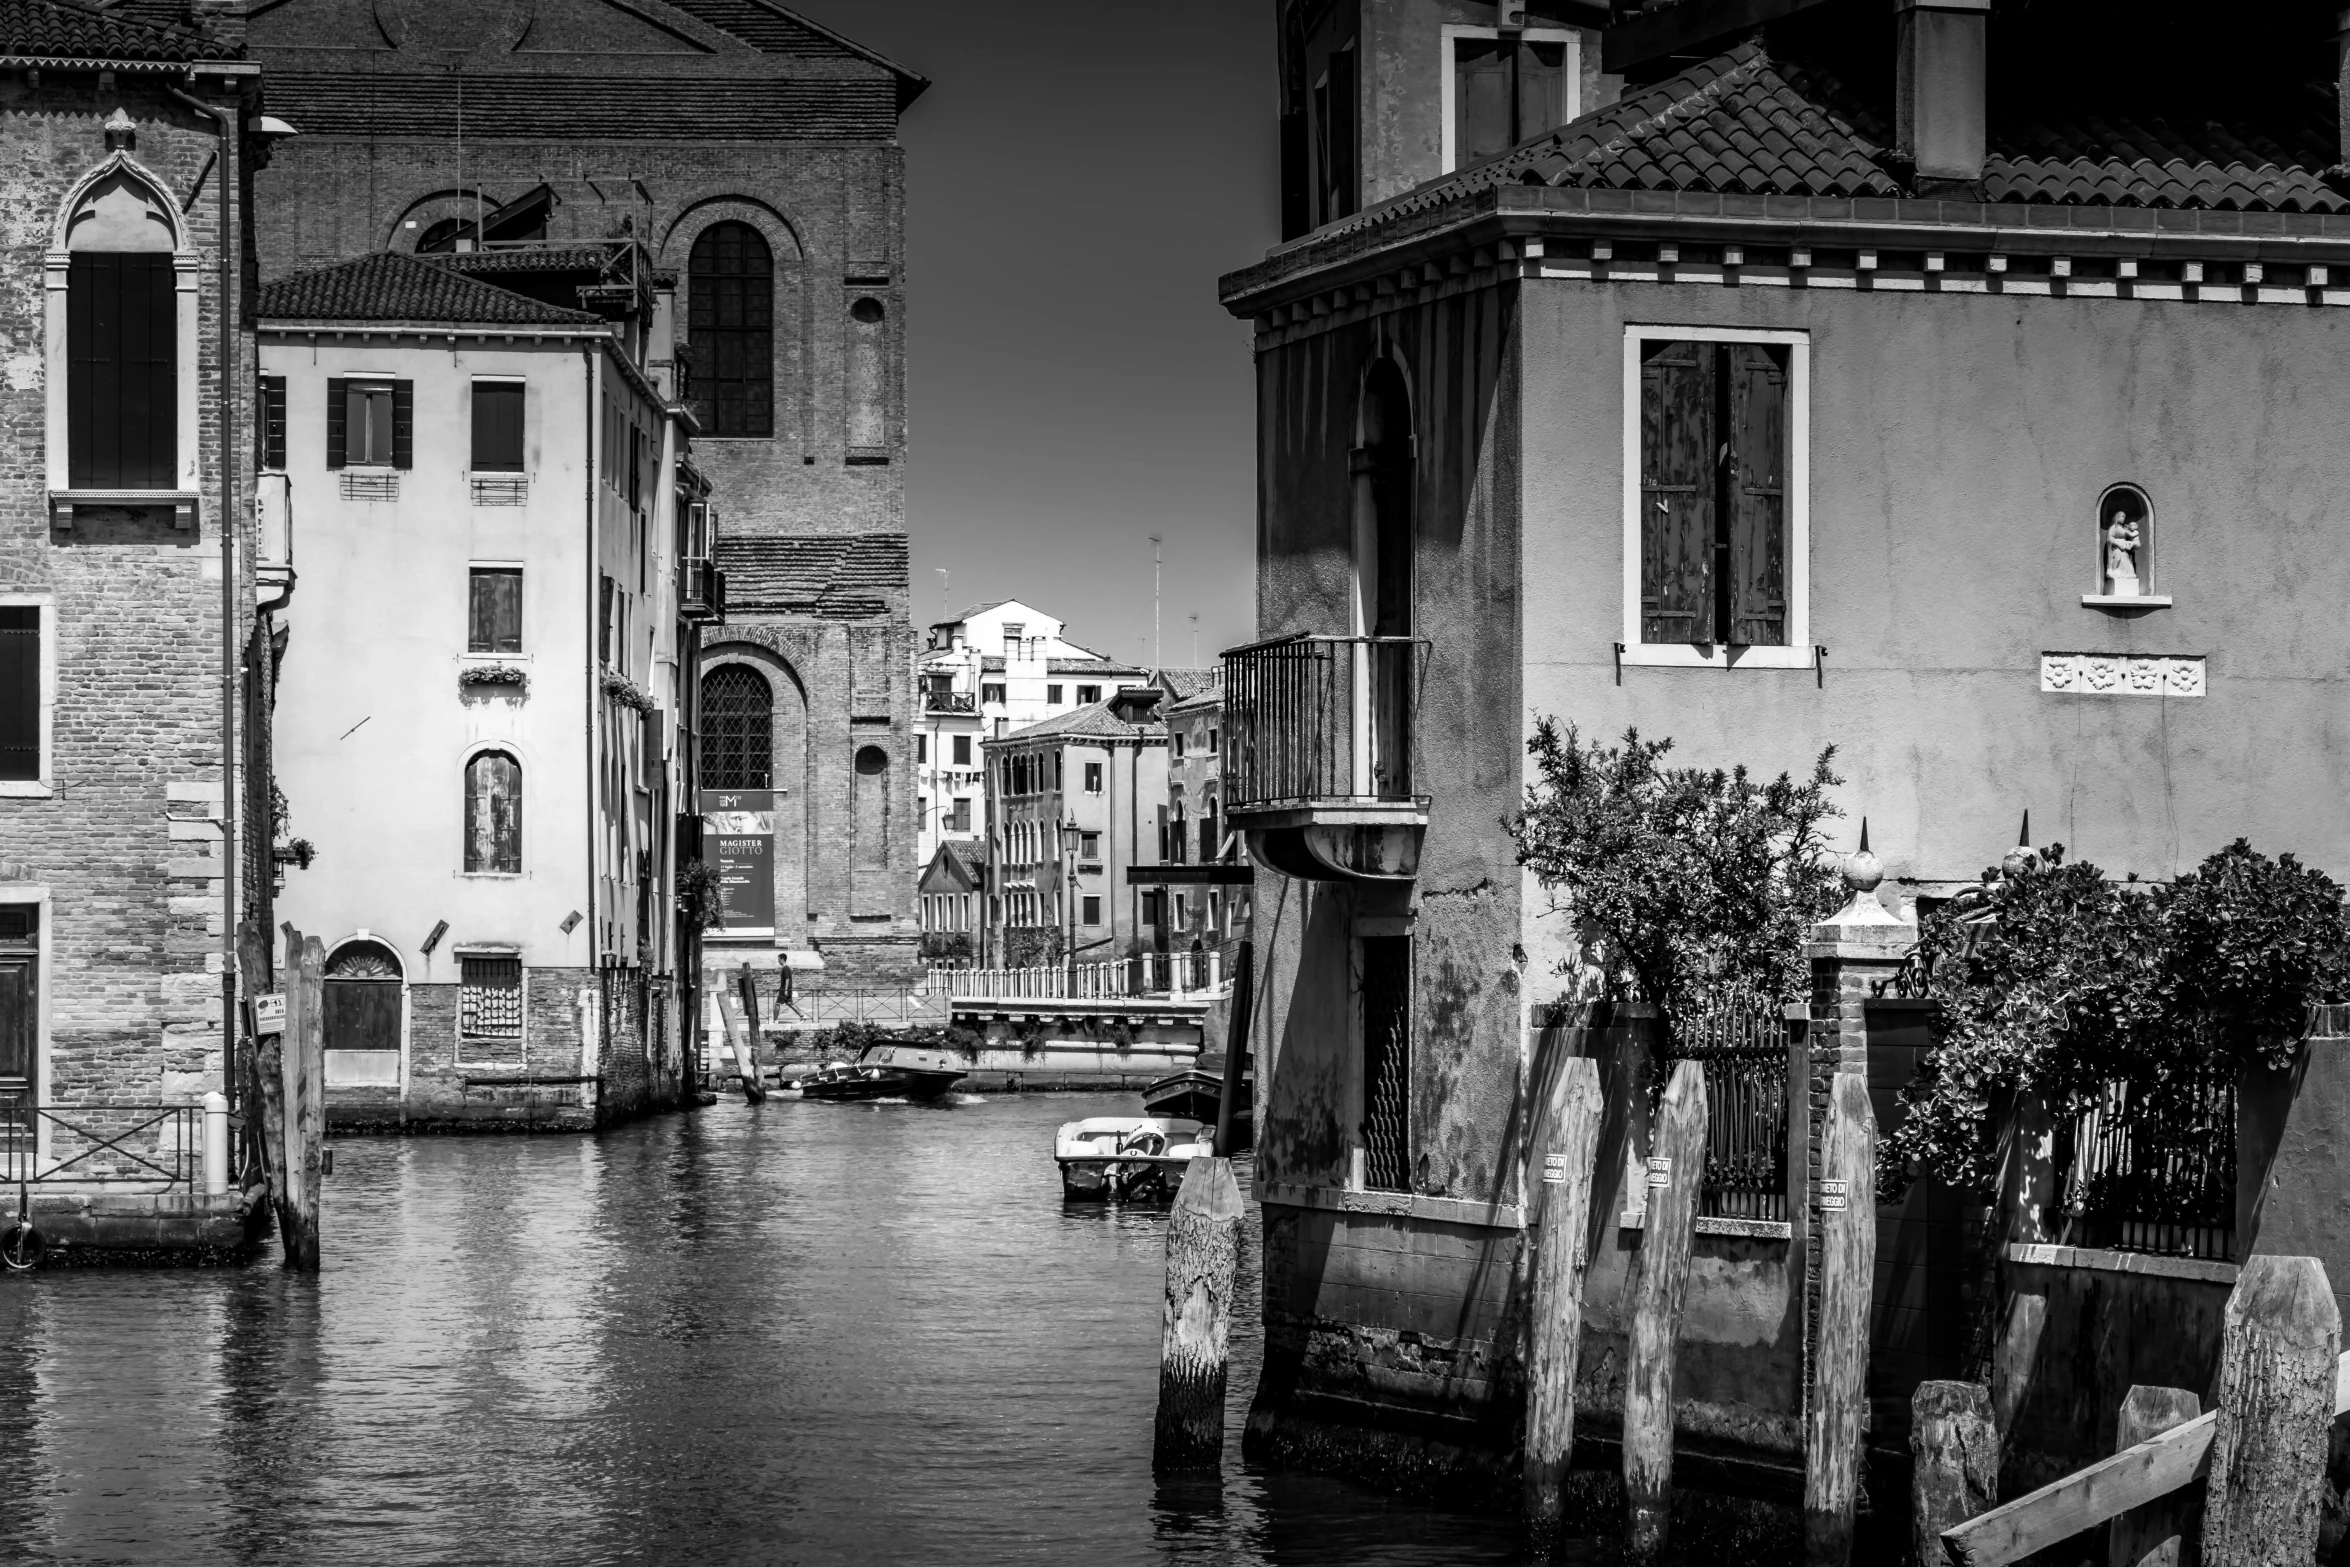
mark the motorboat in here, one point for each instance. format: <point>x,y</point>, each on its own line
<point>889,1070</point>
<point>1131,1158</point>
<point>1196,1093</point>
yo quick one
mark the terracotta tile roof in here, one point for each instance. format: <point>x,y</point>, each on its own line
<point>1094,721</point>
<point>581,108</point>
<point>393,287</point>
<point>771,29</point>
<point>1748,123</point>
<point>841,577</point>
<point>1184,685</point>
<point>2164,163</point>
<point>69,30</point>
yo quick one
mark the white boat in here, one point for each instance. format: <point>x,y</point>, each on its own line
<point>1132,1157</point>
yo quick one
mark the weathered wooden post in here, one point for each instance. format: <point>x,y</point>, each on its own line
<point>1558,1213</point>
<point>733,1012</point>
<point>2158,1533</point>
<point>2275,1402</point>
<point>1676,1177</point>
<point>1203,1265</point>
<point>1846,1240</point>
<point>1954,1462</point>
<point>302,1100</point>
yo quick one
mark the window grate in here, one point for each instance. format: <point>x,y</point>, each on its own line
<point>498,489</point>
<point>1741,1043</point>
<point>490,998</point>
<point>738,729</point>
<point>370,486</point>
<point>2151,1166</point>
<point>1387,1064</point>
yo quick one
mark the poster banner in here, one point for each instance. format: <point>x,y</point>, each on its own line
<point>740,824</point>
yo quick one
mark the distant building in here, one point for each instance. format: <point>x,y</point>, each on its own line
<point>1074,803</point>
<point>484,719</point>
<point>986,672</point>
<point>951,901</point>
<point>1207,873</point>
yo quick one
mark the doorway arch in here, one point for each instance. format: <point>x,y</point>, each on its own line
<point>363,1004</point>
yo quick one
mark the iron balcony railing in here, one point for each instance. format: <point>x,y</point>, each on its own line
<point>1321,718</point>
<point>2153,1167</point>
<point>701,589</point>
<point>949,702</point>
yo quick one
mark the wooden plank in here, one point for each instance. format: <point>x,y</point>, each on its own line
<point>1558,1195</point>
<point>1846,1237</point>
<point>1686,26</point>
<point>1676,1175</point>
<point>2106,1489</point>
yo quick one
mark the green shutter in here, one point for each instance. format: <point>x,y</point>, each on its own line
<point>338,414</point>
<point>1757,490</point>
<point>1677,492</point>
<point>403,424</point>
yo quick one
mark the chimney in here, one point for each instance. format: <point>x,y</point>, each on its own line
<point>1938,89</point>
<point>220,19</point>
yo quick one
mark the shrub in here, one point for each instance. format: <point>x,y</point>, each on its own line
<point>1685,883</point>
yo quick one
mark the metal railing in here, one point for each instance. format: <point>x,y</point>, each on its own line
<point>95,1143</point>
<point>1742,1045</point>
<point>949,702</point>
<point>1177,976</point>
<point>2153,1168</point>
<point>1311,718</point>
<point>701,588</point>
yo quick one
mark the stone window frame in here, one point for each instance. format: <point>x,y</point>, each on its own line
<point>519,1058</point>
<point>45,786</point>
<point>794,328</point>
<point>187,278</point>
<point>1451,33</point>
<point>528,765</point>
<point>1797,651</point>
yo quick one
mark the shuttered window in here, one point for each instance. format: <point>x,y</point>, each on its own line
<point>494,624</point>
<point>269,423</point>
<point>497,426</point>
<point>1713,493</point>
<point>20,692</point>
<point>493,813</point>
<point>370,424</point>
<point>122,399</point>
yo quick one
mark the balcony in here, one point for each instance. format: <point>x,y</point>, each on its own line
<point>273,537</point>
<point>701,590</point>
<point>1319,735</point>
<point>949,702</point>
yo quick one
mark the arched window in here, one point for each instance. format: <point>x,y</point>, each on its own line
<point>738,729</point>
<point>730,289</point>
<point>122,340</point>
<point>493,813</point>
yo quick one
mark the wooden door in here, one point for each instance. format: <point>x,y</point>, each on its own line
<point>362,1031</point>
<point>19,1033</point>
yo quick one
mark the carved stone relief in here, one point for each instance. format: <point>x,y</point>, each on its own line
<point>2123,674</point>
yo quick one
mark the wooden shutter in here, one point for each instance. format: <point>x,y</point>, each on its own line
<point>122,396</point>
<point>1480,99</point>
<point>338,414</point>
<point>497,426</point>
<point>19,1022</point>
<point>1757,490</point>
<point>1345,135</point>
<point>1677,492</point>
<point>1542,89</point>
<point>20,692</point>
<point>403,424</point>
<point>493,813</point>
<point>271,421</point>
<point>495,624</point>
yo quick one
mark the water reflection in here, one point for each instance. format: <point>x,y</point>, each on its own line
<point>790,1333</point>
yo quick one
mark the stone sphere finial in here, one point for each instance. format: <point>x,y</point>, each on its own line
<point>1862,873</point>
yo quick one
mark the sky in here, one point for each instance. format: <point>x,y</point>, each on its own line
<point>1077,178</point>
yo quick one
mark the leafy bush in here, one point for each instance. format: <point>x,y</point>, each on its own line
<point>1685,883</point>
<point>940,945</point>
<point>1030,946</point>
<point>2052,981</point>
<point>697,894</point>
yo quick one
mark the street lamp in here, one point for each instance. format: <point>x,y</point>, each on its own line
<point>1069,841</point>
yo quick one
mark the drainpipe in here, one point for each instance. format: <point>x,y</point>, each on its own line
<point>593,366</point>
<point>229,866</point>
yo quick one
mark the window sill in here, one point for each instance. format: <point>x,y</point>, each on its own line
<point>2126,600</point>
<point>183,503</point>
<point>492,875</point>
<point>471,658</point>
<point>1713,655</point>
<point>26,789</point>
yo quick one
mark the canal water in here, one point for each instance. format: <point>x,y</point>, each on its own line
<point>790,1333</point>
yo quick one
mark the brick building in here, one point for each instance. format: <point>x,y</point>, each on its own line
<point>124,613</point>
<point>755,155</point>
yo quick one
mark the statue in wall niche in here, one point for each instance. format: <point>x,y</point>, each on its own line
<point>2121,555</point>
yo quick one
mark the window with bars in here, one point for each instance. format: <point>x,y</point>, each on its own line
<point>1387,1064</point>
<point>738,729</point>
<point>489,998</point>
<point>730,288</point>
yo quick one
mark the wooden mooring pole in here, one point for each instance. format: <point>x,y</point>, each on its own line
<point>1558,1216</point>
<point>1845,1238</point>
<point>2275,1401</point>
<point>301,1079</point>
<point>1676,1178</point>
<point>1954,1462</point>
<point>1203,1266</point>
<point>2159,1533</point>
<point>739,1012</point>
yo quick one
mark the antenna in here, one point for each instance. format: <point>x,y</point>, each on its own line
<point>943,611</point>
<point>1195,639</point>
<point>1156,655</point>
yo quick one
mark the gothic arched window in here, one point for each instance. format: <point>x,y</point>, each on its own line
<point>493,813</point>
<point>738,729</point>
<point>730,292</point>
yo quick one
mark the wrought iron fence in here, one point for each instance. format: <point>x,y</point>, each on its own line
<point>1387,1062</point>
<point>1742,1045</point>
<point>2152,1168</point>
<point>142,1143</point>
<point>1320,718</point>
